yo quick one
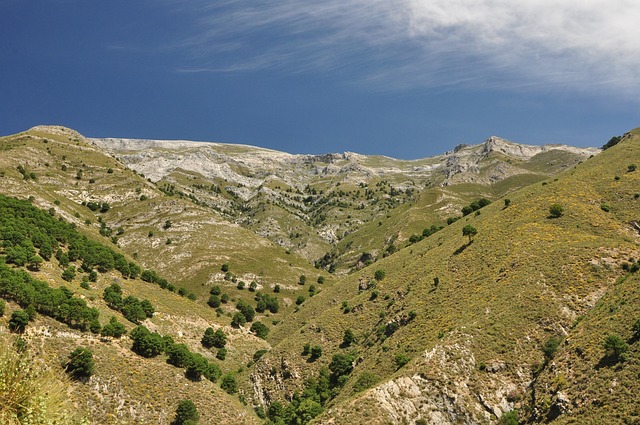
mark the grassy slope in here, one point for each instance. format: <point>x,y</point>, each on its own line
<point>524,278</point>
<point>201,243</point>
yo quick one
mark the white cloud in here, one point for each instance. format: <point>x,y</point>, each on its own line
<point>580,44</point>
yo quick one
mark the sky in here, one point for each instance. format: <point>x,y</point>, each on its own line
<point>402,78</point>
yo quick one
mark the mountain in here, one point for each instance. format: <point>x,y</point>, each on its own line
<point>315,205</point>
<point>478,286</point>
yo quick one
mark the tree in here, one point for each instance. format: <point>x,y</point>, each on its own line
<point>615,348</point>
<point>300,299</point>
<point>114,328</point>
<point>69,273</point>
<point>260,330</point>
<point>221,354</point>
<point>19,320</point>
<point>469,231</point>
<point>225,267</point>
<point>80,364</point>
<point>509,418</point>
<point>341,365</point>
<point>348,338</point>
<point>214,301</point>
<point>229,384</point>
<point>316,352</point>
<point>145,343</point>
<point>186,412</point>
<point>302,280</point>
<point>551,347</point>
<point>238,320</point>
<point>208,338</point>
<point>556,210</point>
<point>196,366</point>
<point>507,202</point>
<point>379,275</point>
<point>178,355</point>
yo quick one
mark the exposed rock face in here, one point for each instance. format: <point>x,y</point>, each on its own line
<point>251,166</point>
<point>445,389</point>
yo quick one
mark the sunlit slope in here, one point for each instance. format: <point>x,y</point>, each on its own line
<point>475,337</point>
<point>184,242</point>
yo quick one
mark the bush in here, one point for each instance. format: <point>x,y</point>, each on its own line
<point>145,343</point>
<point>401,359</point>
<point>186,412</point>
<point>509,418</point>
<point>221,354</point>
<point>365,380</point>
<point>80,364</point>
<point>550,347</point>
<point>260,330</point>
<point>300,299</point>
<point>379,275</point>
<point>238,320</point>
<point>316,352</point>
<point>113,328</point>
<point>348,338</point>
<point>615,348</point>
<point>19,320</point>
<point>556,211</point>
<point>229,384</point>
<point>214,301</point>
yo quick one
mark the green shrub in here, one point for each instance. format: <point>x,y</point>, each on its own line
<point>19,320</point>
<point>80,364</point>
<point>615,348</point>
<point>186,412</point>
<point>556,211</point>
<point>229,384</point>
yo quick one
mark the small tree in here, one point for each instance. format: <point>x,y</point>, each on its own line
<point>615,348</point>
<point>80,363</point>
<point>225,267</point>
<point>69,273</point>
<point>260,330</point>
<point>556,210</point>
<point>208,338</point>
<point>379,275</point>
<point>19,320</point>
<point>238,320</point>
<point>469,231</point>
<point>114,328</point>
<point>551,347</point>
<point>507,202</point>
<point>186,412</point>
<point>229,384</point>
<point>348,338</point>
<point>302,280</point>
<point>316,352</point>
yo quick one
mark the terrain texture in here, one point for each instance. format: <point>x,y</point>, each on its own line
<point>496,283</point>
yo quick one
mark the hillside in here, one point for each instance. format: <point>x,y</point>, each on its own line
<point>332,208</point>
<point>498,311</point>
<point>454,332</point>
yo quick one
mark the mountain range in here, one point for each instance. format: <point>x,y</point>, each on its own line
<point>495,283</point>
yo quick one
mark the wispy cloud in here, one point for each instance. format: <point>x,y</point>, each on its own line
<point>580,44</point>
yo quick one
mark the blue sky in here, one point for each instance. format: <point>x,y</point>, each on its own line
<point>404,78</point>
